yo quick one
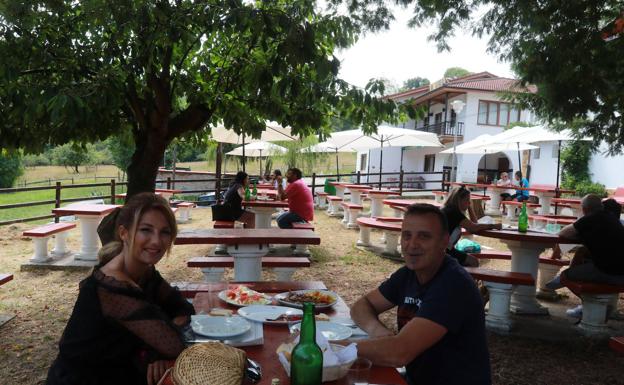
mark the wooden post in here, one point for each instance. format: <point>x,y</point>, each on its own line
<point>168,183</point>
<point>401,182</point>
<point>218,171</point>
<point>112,191</point>
<point>313,184</point>
<point>358,177</point>
<point>57,198</point>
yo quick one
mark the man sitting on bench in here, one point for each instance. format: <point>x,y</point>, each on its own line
<point>300,200</point>
<point>440,316</point>
<point>600,259</point>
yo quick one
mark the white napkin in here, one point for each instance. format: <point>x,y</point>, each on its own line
<point>487,220</point>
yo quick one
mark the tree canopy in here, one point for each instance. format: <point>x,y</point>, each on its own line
<point>412,83</point>
<point>568,49</point>
<point>455,72</point>
<point>83,71</point>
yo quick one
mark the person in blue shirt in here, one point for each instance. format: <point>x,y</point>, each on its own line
<point>521,195</point>
<point>440,317</point>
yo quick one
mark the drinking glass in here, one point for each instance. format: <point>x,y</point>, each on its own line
<point>551,226</point>
<point>359,372</point>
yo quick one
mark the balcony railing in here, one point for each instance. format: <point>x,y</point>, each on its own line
<point>445,128</point>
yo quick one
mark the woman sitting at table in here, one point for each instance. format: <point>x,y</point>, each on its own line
<point>127,319</point>
<point>504,181</point>
<point>455,206</point>
<point>233,200</point>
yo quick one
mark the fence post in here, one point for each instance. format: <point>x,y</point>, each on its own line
<point>313,184</point>
<point>358,178</point>
<point>401,182</point>
<point>168,183</point>
<point>112,191</point>
<point>57,198</point>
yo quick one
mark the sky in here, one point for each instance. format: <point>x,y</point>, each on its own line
<point>401,53</point>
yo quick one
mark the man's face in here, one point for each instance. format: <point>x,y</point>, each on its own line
<point>423,242</point>
<point>290,177</point>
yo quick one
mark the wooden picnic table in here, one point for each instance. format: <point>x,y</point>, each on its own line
<point>264,210</point>
<point>525,251</point>
<point>89,216</point>
<point>274,335</point>
<point>574,203</point>
<point>247,246</point>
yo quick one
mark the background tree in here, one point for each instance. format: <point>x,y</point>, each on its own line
<point>412,83</point>
<point>170,68</point>
<point>121,148</point>
<point>11,167</point>
<point>456,72</point>
<point>71,155</point>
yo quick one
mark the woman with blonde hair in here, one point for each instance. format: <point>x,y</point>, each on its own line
<point>455,206</point>
<point>127,320</point>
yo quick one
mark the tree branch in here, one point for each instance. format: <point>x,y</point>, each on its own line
<point>191,119</point>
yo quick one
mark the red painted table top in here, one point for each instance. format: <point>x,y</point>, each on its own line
<point>263,203</point>
<point>570,201</point>
<point>358,187</point>
<point>382,192</point>
<point>85,209</point>
<point>247,236</point>
<point>375,223</point>
<point>529,236</point>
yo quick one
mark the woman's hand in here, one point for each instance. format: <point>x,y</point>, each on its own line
<point>155,371</point>
<point>181,320</point>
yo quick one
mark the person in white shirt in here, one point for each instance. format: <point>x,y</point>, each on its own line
<point>275,179</point>
<point>504,181</point>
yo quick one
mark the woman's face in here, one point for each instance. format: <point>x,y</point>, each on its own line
<point>246,181</point>
<point>152,238</point>
<point>464,203</point>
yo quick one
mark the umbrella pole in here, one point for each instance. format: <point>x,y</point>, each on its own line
<point>337,172</point>
<point>380,163</point>
<point>243,152</point>
<point>519,161</point>
<point>485,172</point>
<point>260,173</point>
<point>558,165</point>
<point>368,168</point>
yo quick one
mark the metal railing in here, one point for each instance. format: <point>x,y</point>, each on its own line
<point>445,128</point>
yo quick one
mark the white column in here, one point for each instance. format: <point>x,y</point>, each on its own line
<point>60,244</point>
<point>547,273</point>
<point>397,213</point>
<point>90,240</point>
<point>494,203</point>
<point>525,259</point>
<point>345,217</point>
<point>392,243</point>
<point>184,214</point>
<point>334,208</point>
<point>284,273</point>
<point>353,216</point>
<point>263,216</point>
<point>213,274</point>
<point>321,201</point>
<point>41,250</point>
<point>544,200</point>
<point>497,317</point>
<point>364,238</point>
<point>356,196</point>
<point>248,261</point>
<point>340,191</point>
<point>594,319</point>
<point>376,205</point>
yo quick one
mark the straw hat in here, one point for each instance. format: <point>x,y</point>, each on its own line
<point>211,363</point>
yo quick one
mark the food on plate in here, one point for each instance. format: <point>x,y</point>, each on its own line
<point>242,295</point>
<point>221,312</point>
<point>316,297</point>
<point>321,317</point>
<point>286,318</point>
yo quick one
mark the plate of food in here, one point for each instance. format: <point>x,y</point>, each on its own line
<point>219,327</point>
<point>275,315</point>
<point>330,330</point>
<point>321,299</point>
<point>244,296</point>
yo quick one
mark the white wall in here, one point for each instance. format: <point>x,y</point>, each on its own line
<point>544,168</point>
<point>607,169</point>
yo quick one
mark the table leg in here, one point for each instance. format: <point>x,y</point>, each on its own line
<point>544,200</point>
<point>392,243</point>
<point>263,217</point>
<point>41,250</point>
<point>364,239</point>
<point>356,197</point>
<point>340,192</point>
<point>525,259</point>
<point>376,206</point>
<point>90,239</point>
<point>60,244</point>
<point>397,213</point>
<point>248,261</point>
<point>494,203</point>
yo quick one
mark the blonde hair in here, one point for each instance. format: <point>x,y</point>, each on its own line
<point>129,217</point>
<point>456,195</point>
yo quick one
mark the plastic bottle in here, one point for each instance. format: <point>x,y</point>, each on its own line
<point>523,219</point>
<point>307,358</point>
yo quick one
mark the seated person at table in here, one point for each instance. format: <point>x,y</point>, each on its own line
<point>601,259</point>
<point>520,195</point>
<point>300,201</point>
<point>613,207</point>
<point>454,208</point>
<point>504,181</point>
<point>127,319</point>
<point>441,323</point>
<point>233,200</point>
<point>278,174</point>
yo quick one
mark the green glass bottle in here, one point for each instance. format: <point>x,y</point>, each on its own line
<point>247,193</point>
<point>306,366</point>
<point>254,192</point>
<point>523,219</point>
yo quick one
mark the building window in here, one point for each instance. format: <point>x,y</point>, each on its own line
<point>536,153</point>
<point>497,113</point>
<point>429,163</point>
<point>363,159</point>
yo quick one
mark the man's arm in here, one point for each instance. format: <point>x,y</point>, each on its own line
<point>569,232</point>
<point>366,310</point>
<point>415,337</point>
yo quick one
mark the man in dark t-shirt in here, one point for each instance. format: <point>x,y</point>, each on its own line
<point>440,316</point>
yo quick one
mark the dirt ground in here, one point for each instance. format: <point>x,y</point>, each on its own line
<point>42,303</point>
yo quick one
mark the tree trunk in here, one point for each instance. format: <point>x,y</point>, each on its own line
<point>147,157</point>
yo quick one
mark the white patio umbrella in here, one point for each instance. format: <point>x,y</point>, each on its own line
<point>273,132</point>
<point>329,147</point>
<point>385,136</point>
<point>256,149</point>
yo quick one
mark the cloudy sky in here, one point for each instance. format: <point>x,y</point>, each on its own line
<point>401,53</point>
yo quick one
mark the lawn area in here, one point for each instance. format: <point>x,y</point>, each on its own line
<point>42,303</point>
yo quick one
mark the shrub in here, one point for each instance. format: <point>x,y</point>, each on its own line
<point>10,167</point>
<point>585,188</point>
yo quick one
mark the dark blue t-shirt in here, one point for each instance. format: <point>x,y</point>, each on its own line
<point>452,300</point>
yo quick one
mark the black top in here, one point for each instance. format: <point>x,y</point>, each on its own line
<point>450,299</point>
<point>454,217</point>
<point>602,234</point>
<point>116,329</point>
<point>233,201</point>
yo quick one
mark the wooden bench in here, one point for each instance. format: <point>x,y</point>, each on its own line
<point>391,230</point>
<point>351,213</point>
<point>500,285</point>
<point>333,210</point>
<point>321,199</point>
<point>511,213</point>
<point>4,278</point>
<point>302,249</point>
<point>185,211</point>
<point>617,344</point>
<point>595,297</point>
<point>213,267</point>
<point>40,236</point>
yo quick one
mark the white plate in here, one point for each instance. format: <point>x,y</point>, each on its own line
<point>260,313</point>
<point>223,297</point>
<point>219,327</point>
<point>281,297</point>
<point>332,331</point>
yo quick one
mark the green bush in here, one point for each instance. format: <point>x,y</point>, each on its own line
<point>585,188</point>
<point>10,167</point>
<point>33,160</point>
